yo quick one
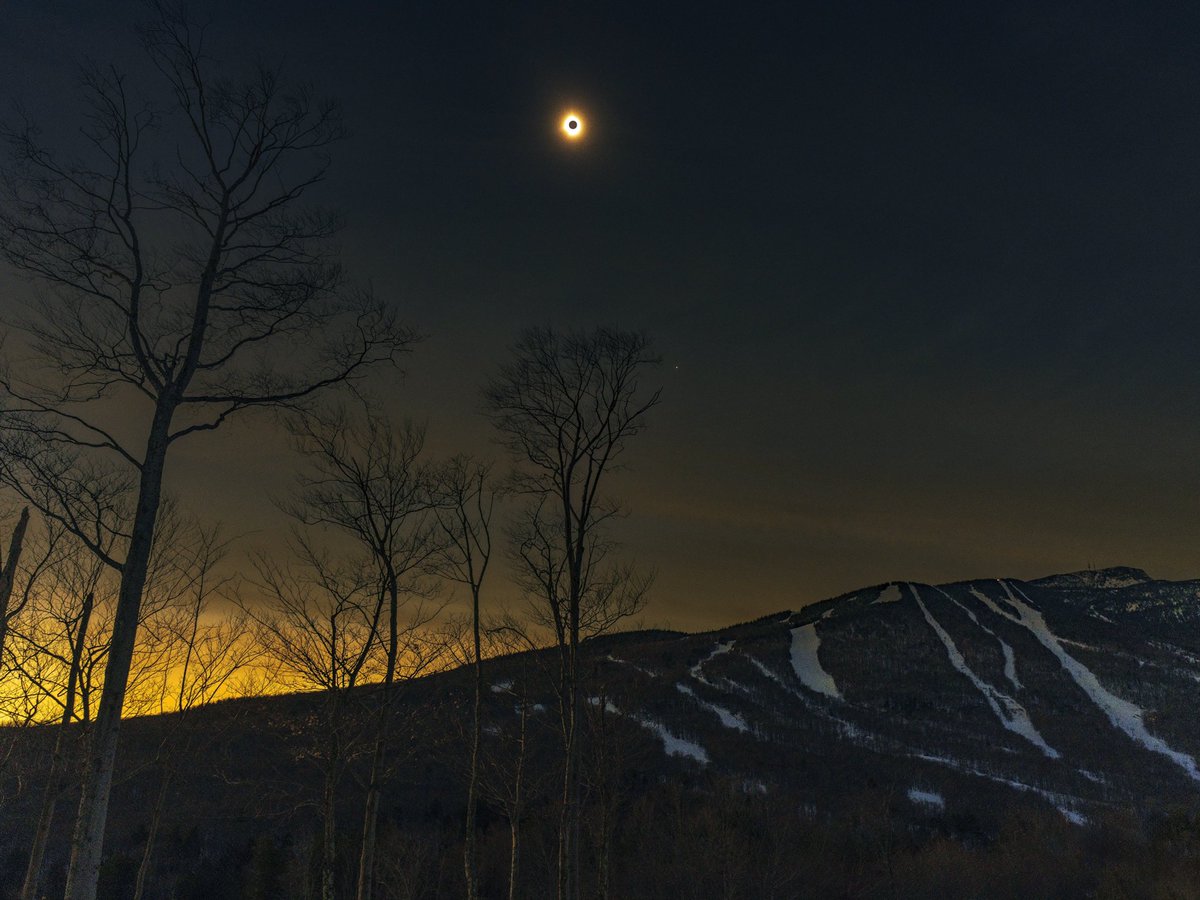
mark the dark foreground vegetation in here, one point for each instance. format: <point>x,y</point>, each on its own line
<point>245,821</point>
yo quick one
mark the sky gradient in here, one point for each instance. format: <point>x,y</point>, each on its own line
<point>924,278</point>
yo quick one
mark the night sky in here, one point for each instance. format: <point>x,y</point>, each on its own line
<point>924,277</point>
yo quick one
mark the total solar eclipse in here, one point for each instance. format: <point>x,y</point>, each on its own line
<point>572,126</point>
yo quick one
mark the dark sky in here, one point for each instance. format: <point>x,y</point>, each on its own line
<point>923,276</point>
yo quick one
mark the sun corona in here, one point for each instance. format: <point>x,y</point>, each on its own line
<point>572,126</point>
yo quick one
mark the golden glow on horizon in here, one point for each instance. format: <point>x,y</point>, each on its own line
<point>572,126</point>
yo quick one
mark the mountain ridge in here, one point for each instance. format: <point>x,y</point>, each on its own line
<point>1067,698</point>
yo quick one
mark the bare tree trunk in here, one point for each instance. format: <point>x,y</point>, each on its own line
<point>568,843</point>
<point>514,821</point>
<point>470,848</point>
<point>8,577</point>
<point>366,858</point>
<point>329,807</point>
<point>160,803</point>
<point>603,851</point>
<point>55,780</point>
<point>569,886</point>
<point>87,845</point>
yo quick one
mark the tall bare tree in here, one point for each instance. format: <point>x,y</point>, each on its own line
<point>317,623</point>
<point>566,406</point>
<point>60,641</point>
<point>365,481</point>
<point>204,656</point>
<point>466,501</point>
<point>8,577</point>
<point>504,778</point>
<point>183,285</point>
<point>84,583</point>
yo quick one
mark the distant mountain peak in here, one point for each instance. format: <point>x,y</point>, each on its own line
<point>1108,579</point>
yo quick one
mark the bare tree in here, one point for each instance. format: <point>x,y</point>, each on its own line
<point>503,773</point>
<point>8,577</point>
<point>61,639</point>
<point>566,406</point>
<point>183,281</point>
<point>364,481</point>
<point>56,781</point>
<point>53,638</point>
<point>318,625</point>
<point>203,657</point>
<point>465,503</point>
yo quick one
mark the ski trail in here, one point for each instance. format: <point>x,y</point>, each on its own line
<point>728,719</point>
<point>851,731</point>
<point>1010,659</point>
<point>1064,803</point>
<point>697,671</point>
<point>1123,715</point>
<point>807,664</point>
<point>632,665</point>
<point>672,744</point>
<point>1012,715</point>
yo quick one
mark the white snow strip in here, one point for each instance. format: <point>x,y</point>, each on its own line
<point>926,798</point>
<point>807,664</point>
<point>890,594</point>
<point>1011,714</point>
<point>697,671</point>
<point>632,665</point>
<point>1010,660</point>
<point>1182,654</point>
<point>1071,816</point>
<point>672,745</point>
<point>728,719</point>
<point>1121,713</point>
<point>1061,802</point>
<point>769,673</point>
<point>848,729</point>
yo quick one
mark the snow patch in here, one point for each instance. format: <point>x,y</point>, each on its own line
<point>926,798</point>
<point>807,664</point>
<point>1012,715</point>
<point>672,744</point>
<point>848,730</point>
<point>697,671</point>
<point>890,594</point>
<point>1072,816</point>
<point>1062,802</point>
<point>728,719</point>
<point>632,665</point>
<point>502,687</point>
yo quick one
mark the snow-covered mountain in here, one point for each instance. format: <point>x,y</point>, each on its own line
<point>1027,722</point>
<point>1077,691</point>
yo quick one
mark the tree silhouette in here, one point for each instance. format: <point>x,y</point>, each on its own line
<point>566,406</point>
<point>182,283</point>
